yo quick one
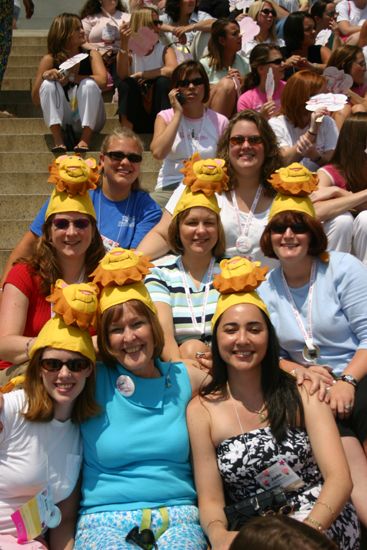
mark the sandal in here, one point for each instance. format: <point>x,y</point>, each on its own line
<point>81,149</point>
<point>59,149</point>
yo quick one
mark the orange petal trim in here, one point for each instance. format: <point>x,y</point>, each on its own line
<point>239,275</point>
<point>294,179</point>
<point>121,267</point>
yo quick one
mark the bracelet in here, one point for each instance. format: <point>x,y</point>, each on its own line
<point>214,521</point>
<point>312,133</point>
<point>27,347</point>
<point>349,379</point>
<point>314,523</point>
<point>327,506</point>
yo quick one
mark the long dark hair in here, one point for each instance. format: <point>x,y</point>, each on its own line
<point>293,30</point>
<point>215,48</point>
<point>259,56</point>
<point>172,9</point>
<point>279,388</point>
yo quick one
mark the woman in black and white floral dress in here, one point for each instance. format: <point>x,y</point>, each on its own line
<point>252,416</point>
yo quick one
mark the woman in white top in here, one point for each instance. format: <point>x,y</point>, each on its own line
<point>186,128</point>
<point>182,21</point>
<point>143,80</point>
<point>249,148</point>
<point>40,443</point>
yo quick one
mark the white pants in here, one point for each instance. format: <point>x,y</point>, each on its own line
<point>348,234</point>
<point>56,108</point>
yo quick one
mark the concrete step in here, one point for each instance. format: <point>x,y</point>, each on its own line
<point>19,49</point>
<point>16,61</point>
<point>27,71</point>
<point>28,110</point>
<point>36,126</point>
<point>43,143</point>
<point>11,231</point>
<point>4,254</point>
<point>17,83</point>
<point>35,183</point>
<point>23,162</point>
<point>35,38</point>
<point>20,208</point>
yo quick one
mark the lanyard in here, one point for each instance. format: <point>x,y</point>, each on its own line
<point>191,143</point>
<point>306,332</point>
<point>245,227</point>
<point>208,279</point>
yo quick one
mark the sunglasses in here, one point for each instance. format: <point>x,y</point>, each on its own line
<point>185,83</point>
<point>278,61</point>
<point>74,365</point>
<point>330,13</point>
<point>266,11</point>
<point>297,228</point>
<point>63,223</point>
<point>240,140</point>
<point>143,539</point>
<point>157,22</point>
<point>120,155</point>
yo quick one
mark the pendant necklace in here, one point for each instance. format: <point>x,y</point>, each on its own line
<point>243,242</point>
<point>260,412</point>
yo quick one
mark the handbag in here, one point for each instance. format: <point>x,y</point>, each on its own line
<point>269,502</point>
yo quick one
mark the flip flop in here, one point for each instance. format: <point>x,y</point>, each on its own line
<point>59,149</point>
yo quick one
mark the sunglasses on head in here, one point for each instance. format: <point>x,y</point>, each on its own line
<point>240,140</point>
<point>185,83</point>
<point>277,61</point>
<point>120,155</point>
<point>297,227</point>
<point>63,223</point>
<point>266,11</point>
<point>74,365</point>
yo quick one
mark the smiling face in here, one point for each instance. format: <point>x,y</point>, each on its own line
<point>131,341</point>
<point>246,158</point>
<point>119,175</point>
<point>63,386</point>
<point>71,234</point>
<point>290,242</point>
<point>242,337</point>
<point>199,231</point>
<point>309,32</point>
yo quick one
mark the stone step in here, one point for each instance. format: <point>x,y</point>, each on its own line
<point>28,110</point>
<point>19,208</point>
<point>24,183</point>
<point>38,39</point>
<point>17,61</point>
<point>27,71</point>
<point>26,161</point>
<point>36,126</point>
<point>4,254</point>
<point>43,143</point>
<point>17,83</point>
<point>11,231</point>
<point>18,49</point>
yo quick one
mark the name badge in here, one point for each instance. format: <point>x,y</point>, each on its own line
<point>280,475</point>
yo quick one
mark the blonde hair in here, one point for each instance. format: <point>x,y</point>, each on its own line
<point>256,8</point>
<point>142,18</point>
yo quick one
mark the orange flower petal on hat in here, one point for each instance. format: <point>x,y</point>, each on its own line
<point>208,176</point>
<point>121,267</point>
<point>76,303</point>
<point>239,275</point>
<point>294,179</point>
<point>73,174</point>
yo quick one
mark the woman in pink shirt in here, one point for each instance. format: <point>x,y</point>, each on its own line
<point>263,58</point>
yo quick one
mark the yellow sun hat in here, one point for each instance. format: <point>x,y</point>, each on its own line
<point>293,183</point>
<point>121,273</point>
<point>72,177</point>
<point>203,178</point>
<point>75,306</point>
<point>237,281</point>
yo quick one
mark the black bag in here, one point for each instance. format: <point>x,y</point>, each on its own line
<point>272,501</point>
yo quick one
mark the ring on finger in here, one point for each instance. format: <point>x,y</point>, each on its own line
<point>347,407</point>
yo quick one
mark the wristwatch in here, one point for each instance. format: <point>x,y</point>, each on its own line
<point>349,379</point>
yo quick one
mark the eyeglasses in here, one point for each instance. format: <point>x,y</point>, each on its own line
<point>266,11</point>
<point>185,83</point>
<point>278,61</point>
<point>63,223</point>
<point>120,155</point>
<point>74,365</point>
<point>240,140</point>
<point>157,22</point>
<point>296,228</point>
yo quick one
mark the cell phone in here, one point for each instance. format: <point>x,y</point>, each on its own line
<point>180,98</point>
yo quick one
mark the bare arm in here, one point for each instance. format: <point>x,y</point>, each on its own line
<point>99,73</point>
<point>165,134</point>
<point>347,29</point>
<point>46,64</point>
<point>25,248</point>
<point>332,201</point>
<point>155,243</point>
<point>169,64</point>
<point>171,351</point>
<point>325,442</point>
<point>13,315</point>
<point>62,537</point>
<point>123,58</point>
<point>207,478</point>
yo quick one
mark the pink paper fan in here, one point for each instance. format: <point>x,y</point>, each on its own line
<point>337,80</point>
<point>143,41</point>
<point>249,29</point>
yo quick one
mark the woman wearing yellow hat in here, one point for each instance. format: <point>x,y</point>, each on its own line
<point>318,303</point>
<point>137,479</point>
<point>251,428</point>
<point>182,289</point>
<point>69,248</point>
<point>40,444</point>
